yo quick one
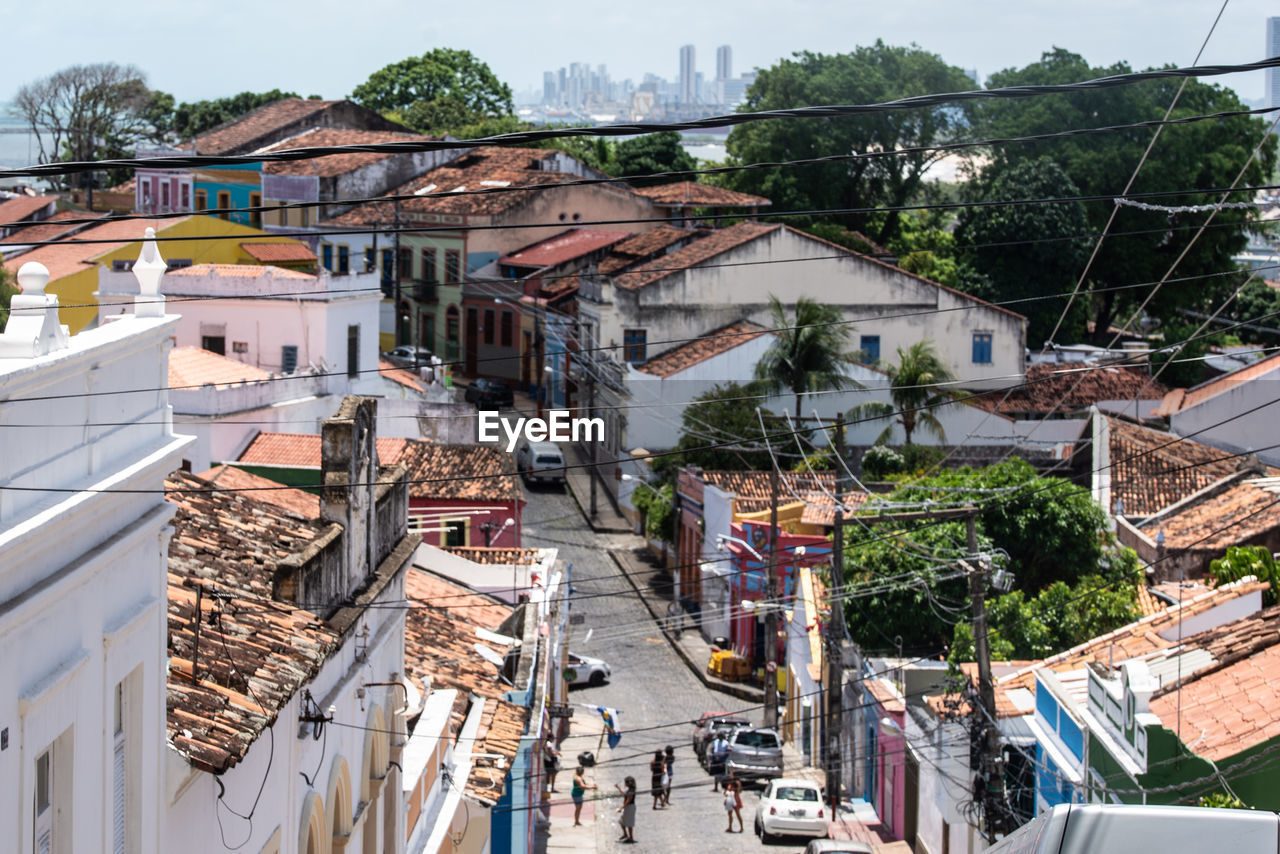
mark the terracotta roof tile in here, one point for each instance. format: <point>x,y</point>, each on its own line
<point>1236,515</point>
<point>302,450</point>
<point>478,608</point>
<point>642,246</point>
<point>1199,394</point>
<point>751,490</point>
<point>399,375</point>
<point>1151,470</point>
<point>297,501</point>
<point>192,367</point>
<point>239,134</point>
<point>334,164</point>
<point>699,251</point>
<point>440,645</point>
<point>1070,386</point>
<point>271,253</point>
<point>698,350</point>
<point>21,207</point>
<point>563,247</point>
<point>64,258</point>
<point>252,650</point>
<point>239,271</point>
<point>691,194</point>
<point>47,229</point>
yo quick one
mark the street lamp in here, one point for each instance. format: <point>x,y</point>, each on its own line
<point>491,527</point>
<point>721,539</point>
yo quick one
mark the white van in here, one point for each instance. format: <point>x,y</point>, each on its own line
<point>540,462</point>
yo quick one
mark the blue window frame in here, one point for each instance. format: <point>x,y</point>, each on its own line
<point>288,358</point>
<point>870,347</point>
<point>633,345</point>
<point>982,348</point>
<point>388,266</point>
<point>326,256</point>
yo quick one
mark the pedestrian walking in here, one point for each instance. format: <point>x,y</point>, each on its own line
<point>551,764</point>
<point>669,763</point>
<point>719,754</point>
<point>657,770</point>
<point>579,790</point>
<point>736,785</point>
<point>628,810</point>
<point>728,804</point>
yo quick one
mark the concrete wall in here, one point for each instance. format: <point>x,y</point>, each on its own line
<point>82,581</point>
<point>943,753</point>
<point>1226,420</point>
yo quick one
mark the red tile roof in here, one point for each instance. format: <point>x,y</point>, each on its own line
<point>192,367</point>
<point>1179,400</point>
<point>1151,470</point>
<point>302,450</point>
<point>301,503</point>
<point>274,253</point>
<point>440,646</point>
<point>66,258</point>
<point>21,207</point>
<point>241,133</point>
<point>239,271</point>
<point>699,251</point>
<point>698,350</point>
<point>48,229</point>
<point>691,194</point>
<point>399,375</point>
<point>254,653</point>
<point>1070,386</point>
<point>563,247</point>
<point>478,608</point>
<point>752,492</point>
<point>644,245</point>
<point>1239,514</point>
<point>334,164</point>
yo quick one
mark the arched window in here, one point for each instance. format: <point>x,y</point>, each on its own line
<point>340,806</point>
<point>312,838</point>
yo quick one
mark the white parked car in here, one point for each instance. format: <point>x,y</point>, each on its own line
<point>790,807</point>
<point>588,670</point>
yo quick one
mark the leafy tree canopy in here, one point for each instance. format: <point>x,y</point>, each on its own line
<point>1192,156</point>
<point>866,75</point>
<point>1240,561</point>
<point>190,119</point>
<point>655,152</point>
<point>441,90</point>
<point>1012,267</point>
<point>726,413</point>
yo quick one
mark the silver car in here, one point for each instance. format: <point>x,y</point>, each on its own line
<point>540,462</point>
<point>754,753</point>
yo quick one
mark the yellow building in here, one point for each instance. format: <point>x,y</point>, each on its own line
<point>73,264</point>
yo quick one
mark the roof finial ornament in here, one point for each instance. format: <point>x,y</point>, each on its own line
<point>149,270</point>
<point>33,328</point>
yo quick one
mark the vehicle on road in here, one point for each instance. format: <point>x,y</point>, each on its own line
<point>489,394</point>
<point>755,753</point>
<point>791,807</point>
<point>837,846</point>
<point>540,462</point>
<point>704,730</point>
<point>588,670</point>
<point>408,356</point>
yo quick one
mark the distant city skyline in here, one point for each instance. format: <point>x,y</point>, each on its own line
<point>986,35</point>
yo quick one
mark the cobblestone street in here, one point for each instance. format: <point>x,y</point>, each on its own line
<point>653,690</point>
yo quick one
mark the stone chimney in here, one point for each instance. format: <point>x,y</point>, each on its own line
<point>349,468</point>
<point>33,328</point>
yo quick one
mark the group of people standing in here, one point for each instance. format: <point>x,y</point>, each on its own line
<point>732,786</point>
<point>660,772</point>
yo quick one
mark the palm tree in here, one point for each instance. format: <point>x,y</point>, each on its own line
<point>808,350</point>
<point>915,389</point>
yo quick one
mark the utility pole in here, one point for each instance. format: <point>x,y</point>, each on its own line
<point>595,446</point>
<point>771,610</point>
<point>992,772</point>
<point>833,761</point>
<point>396,266</point>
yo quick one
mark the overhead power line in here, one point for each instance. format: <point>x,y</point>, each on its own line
<point>638,128</point>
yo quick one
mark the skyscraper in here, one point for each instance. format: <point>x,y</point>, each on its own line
<point>688,75</point>
<point>1273,74</point>
<point>724,62</point>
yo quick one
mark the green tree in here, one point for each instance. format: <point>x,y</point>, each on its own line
<point>8,287</point>
<point>923,246</point>
<point>1241,561</point>
<point>808,351</point>
<point>1191,156</point>
<point>656,506</point>
<point>915,389</point>
<point>726,413</point>
<point>443,89</point>
<point>866,75</point>
<point>191,119</point>
<point>654,152</point>
<point>1259,304</point>
<point>1014,269</point>
<point>1179,363</point>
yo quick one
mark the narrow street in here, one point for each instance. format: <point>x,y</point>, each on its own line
<point>656,695</point>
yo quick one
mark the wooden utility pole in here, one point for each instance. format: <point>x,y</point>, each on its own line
<point>991,766</point>
<point>833,761</point>
<point>396,267</point>
<point>771,609</point>
<point>595,446</point>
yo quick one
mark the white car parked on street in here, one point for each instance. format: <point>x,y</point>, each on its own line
<point>790,807</point>
<point>588,670</point>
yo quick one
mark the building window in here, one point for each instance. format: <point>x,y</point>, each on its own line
<point>184,193</point>
<point>255,217</point>
<point>288,358</point>
<point>870,347</point>
<point>428,336</point>
<point>982,348</point>
<point>164,195</point>
<point>429,272</point>
<point>388,266</point>
<point>406,263</point>
<point>202,200</point>
<point>326,256</point>
<point>633,345</point>
<point>224,204</point>
<point>455,533</point>
<point>488,326</point>
<point>507,335</point>
<point>240,348</point>
<point>452,267</point>
<point>176,263</point>
<point>44,802</point>
<point>121,266</point>
<point>370,259</point>
<point>344,259</point>
<point>353,351</point>
<point>214,344</point>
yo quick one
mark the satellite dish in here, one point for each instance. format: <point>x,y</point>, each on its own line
<point>489,655</point>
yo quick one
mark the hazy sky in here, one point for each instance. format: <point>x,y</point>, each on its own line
<point>202,48</point>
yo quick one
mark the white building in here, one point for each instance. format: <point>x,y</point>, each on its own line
<point>286,689</point>
<point>1233,412</point>
<point>83,531</point>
